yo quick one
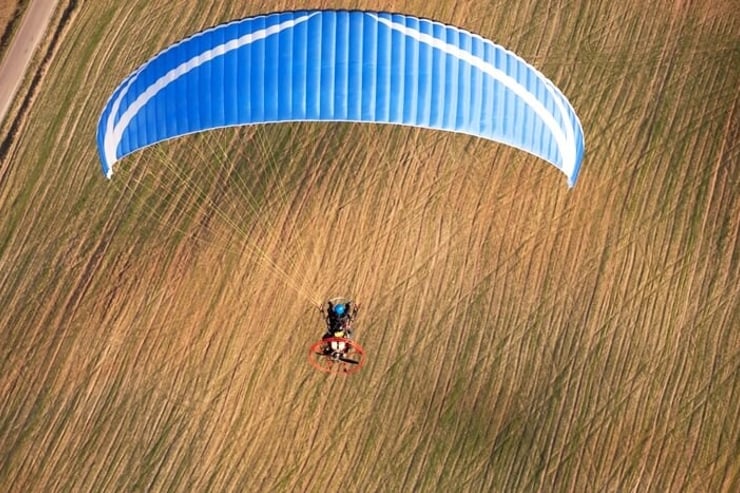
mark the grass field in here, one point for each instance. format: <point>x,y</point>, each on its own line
<point>521,336</point>
<point>11,12</point>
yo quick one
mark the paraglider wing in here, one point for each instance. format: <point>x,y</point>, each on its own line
<point>341,66</point>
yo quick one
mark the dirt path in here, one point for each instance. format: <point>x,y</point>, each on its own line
<point>21,50</point>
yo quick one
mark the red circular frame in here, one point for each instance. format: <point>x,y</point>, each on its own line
<point>327,364</point>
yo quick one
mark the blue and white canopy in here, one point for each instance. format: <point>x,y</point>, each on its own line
<point>341,66</point>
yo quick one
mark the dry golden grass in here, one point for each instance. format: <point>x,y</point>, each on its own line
<point>7,11</point>
<point>10,14</point>
<point>520,336</point>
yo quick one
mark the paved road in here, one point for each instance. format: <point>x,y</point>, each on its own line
<point>21,50</point>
